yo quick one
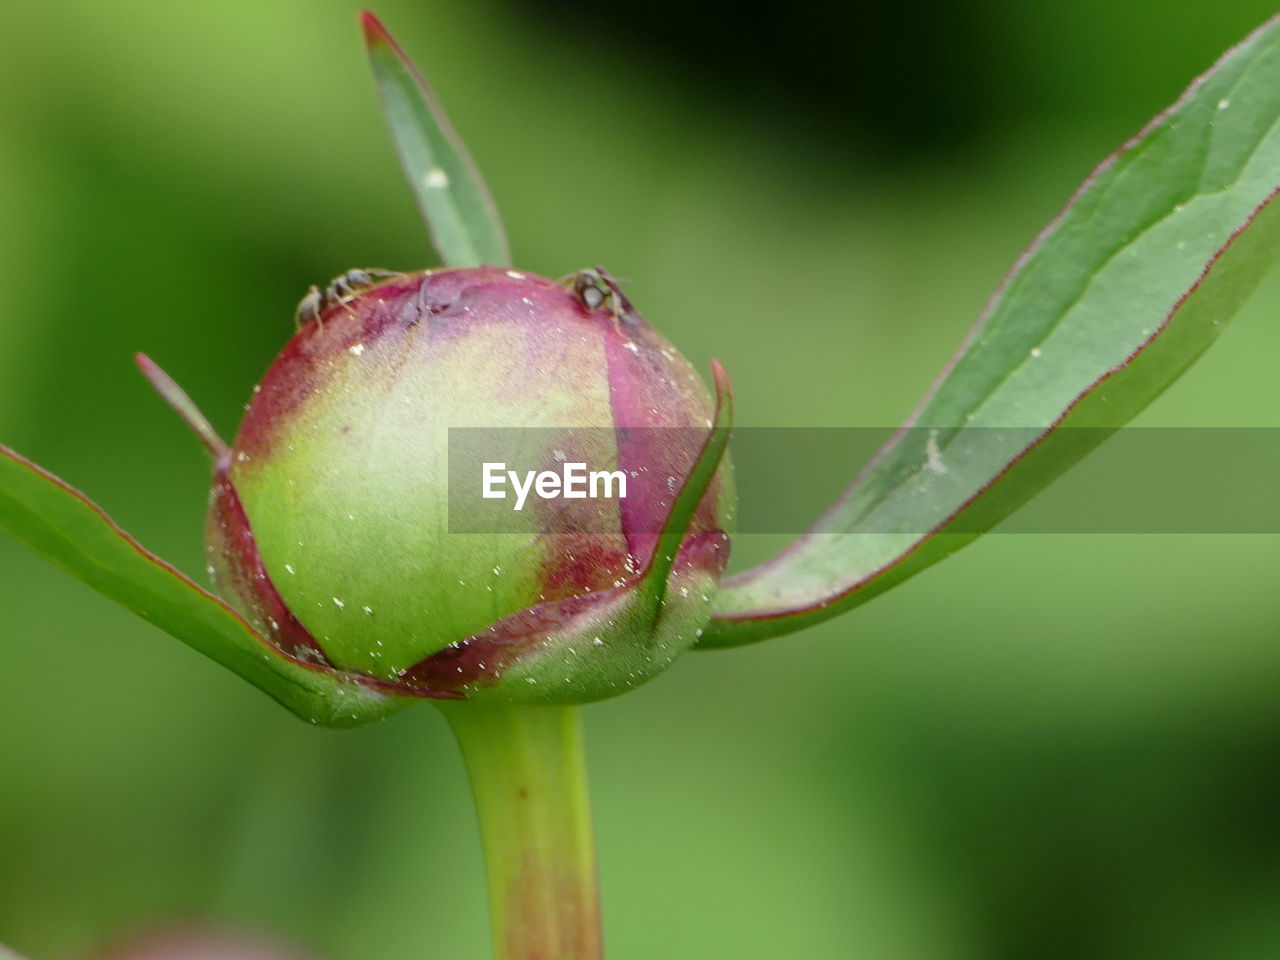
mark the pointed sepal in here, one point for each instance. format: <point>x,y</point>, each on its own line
<point>182,404</point>
<point>655,580</point>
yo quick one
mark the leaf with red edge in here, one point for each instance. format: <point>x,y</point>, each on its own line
<point>61,524</point>
<point>1114,300</point>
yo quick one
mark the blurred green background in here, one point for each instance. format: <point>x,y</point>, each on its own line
<point>1050,746</point>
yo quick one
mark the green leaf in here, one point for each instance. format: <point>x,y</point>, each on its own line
<point>1114,300</point>
<point>58,522</point>
<point>459,212</point>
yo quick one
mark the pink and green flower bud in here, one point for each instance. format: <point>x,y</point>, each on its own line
<point>329,525</point>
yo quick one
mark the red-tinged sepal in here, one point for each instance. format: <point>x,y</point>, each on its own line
<point>239,576</point>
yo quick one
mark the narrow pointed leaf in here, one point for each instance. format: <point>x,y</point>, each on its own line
<point>58,522</point>
<point>459,212</point>
<point>183,406</point>
<point>1115,299</point>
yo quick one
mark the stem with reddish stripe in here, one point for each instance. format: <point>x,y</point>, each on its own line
<point>528,777</point>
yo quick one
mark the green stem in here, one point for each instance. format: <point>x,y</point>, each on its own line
<point>530,786</point>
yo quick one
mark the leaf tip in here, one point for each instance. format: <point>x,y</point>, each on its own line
<point>375,34</point>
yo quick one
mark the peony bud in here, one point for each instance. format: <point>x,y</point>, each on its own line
<point>329,521</point>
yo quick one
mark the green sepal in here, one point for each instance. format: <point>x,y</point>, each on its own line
<point>654,582</point>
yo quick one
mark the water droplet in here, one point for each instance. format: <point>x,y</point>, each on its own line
<point>289,569</point>
<point>1224,103</point>
<point>435,179</point>
<point>357,350</point>
<point>338,603</point>
<point>1035,351</point>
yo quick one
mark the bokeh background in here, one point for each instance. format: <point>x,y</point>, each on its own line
<point>1049,746</point>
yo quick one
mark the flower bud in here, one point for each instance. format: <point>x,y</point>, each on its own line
<point>329,525</point>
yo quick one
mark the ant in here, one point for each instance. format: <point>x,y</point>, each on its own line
<point>341,290</point>
<point>596,288</point>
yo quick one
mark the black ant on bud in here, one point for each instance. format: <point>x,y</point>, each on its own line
<point>341,290</point>
<point>596,288</point>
